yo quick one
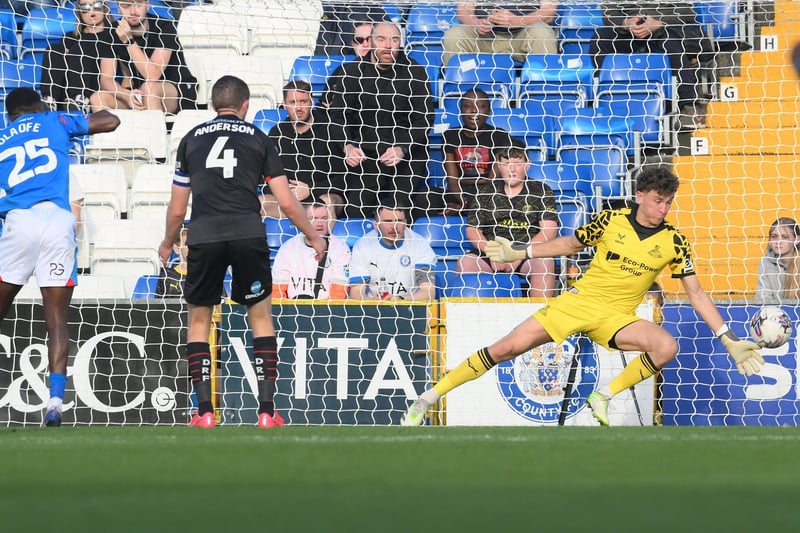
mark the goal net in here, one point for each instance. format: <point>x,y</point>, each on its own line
<point>720,111</point>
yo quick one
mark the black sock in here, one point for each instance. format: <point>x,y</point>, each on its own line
<point>265,360</point>
<point>199,356</point>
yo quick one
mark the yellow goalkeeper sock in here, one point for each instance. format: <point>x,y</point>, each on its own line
<point>637,370</point>
<point>473,367</point>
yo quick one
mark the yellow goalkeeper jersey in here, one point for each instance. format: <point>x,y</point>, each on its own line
<point>629,257</point>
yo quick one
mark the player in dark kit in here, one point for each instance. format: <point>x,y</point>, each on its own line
<point>224,164</point>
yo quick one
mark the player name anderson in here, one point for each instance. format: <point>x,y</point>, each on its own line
<point>225,126</point>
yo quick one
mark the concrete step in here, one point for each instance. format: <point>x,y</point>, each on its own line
<point>760,89</point>
<point>733,141</point>
<point>755,114</point>
<point>724,207</point>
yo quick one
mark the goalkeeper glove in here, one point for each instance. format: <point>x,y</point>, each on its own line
<point>504,251</point>
<point>744,353</point>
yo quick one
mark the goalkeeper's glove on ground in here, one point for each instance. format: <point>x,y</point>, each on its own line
<point>504,251</point>
<point>744,353</point>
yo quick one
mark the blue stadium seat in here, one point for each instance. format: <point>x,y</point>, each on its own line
<point>45,26</point>
<point>430,57</point>
<point>279,230</point>
<point>145,286</point>
<point>443,119</point>
<point>560,77</point>
<point>483,285</point>
<point>601,171</point>
<point>446,235</point>
<point>494,73</point>
<point>572,214</point>
<point>316,69</point>
<point>528,128</point>
<point>351,229</point>
<point>725,23</point>
<point>157,7</point>
<point>576,23</point>
<point>19,73</point>
<point>264,119</point>
<point>426,23</point>
<point>8,33</point>
<point>624,74</point>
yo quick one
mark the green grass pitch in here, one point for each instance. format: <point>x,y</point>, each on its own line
<point>399,479</point>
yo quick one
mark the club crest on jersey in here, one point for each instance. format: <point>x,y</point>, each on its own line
<point>533,384</point>
<point>405,260</point>
<point>655,252</point>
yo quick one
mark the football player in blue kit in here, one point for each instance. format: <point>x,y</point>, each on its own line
<point>38,225</point>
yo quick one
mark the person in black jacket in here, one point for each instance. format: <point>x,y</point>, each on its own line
<point>311,149</point>
<point>384,104</point>
<point>71,67</point>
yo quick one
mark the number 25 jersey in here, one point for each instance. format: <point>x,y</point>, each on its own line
<point>34,159</point>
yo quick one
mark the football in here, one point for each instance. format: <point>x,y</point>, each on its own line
<point>771,327</point>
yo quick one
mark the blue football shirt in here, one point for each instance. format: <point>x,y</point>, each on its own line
<point>34,159</point>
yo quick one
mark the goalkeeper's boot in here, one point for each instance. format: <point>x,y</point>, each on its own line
<point>415,415</point>
<point>599,406</point>
<point>275,421</point>
<point>52,417</point>
<point>206,420</point>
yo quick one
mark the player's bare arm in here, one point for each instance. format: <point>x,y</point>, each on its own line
<point>103,121</point>
<point>176,214</point>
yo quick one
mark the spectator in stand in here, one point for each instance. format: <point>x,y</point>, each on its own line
<point>662,27</point>
<point>71,67</point>
<point>295,272</point>
<point>312,151</point>
<point>173,275</point>
<point>517,28</point>
<point>360,44</point>
<point>147,56</point>
<point>341,20</point>
<point>384,103</point>
<point>468,151</point>
<point>518,209</point>
<point>779,270</point>
<point>392,262</point>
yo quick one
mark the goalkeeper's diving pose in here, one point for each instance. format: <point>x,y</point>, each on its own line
<point>634,244</point>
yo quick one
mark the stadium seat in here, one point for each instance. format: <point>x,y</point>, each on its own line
<point>264,76</point>
<point>494,73</point>
<point>145,286</point>
<point>279,230</point>
<point>127,248</point>
<point>316,69</point>
<point>290,28</point>
<point>443,119</point>
<point>105,191</point>
<point>602,171</point>
<point>351,229</point>
<point>215,29</point>
<point>576,23</point>
<point>8,34</point>
<point>45,26</point>
<point>729,25</point>
<point>98,286</point>
<point>185,120</point>
<point>446,235</point>
<point>598,127</point>
<point>525,127</point>
<point>572,214</point>
<point>426,23</point>
<point>557,77</point>
<point>150,192</point>
<point>483,285</point>
<point>140,138</point>
<point>430,57</point>
<point>264,119</point>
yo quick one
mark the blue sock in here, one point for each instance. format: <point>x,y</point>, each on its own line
<point>57,384</point>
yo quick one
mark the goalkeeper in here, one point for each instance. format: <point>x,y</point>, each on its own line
<point>634,244</point>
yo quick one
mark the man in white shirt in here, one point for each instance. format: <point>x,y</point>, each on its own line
<point>392,262</point>
<point>295,272</point>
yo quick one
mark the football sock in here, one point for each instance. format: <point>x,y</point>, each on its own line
<point>199,356</point>
<point>265,360</point>
<point>58,383</point>
<point>637,370</point>
<point>473,367</point>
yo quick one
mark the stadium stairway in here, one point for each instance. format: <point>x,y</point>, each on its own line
<point>742,172</point>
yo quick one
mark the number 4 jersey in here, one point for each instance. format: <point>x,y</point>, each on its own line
<point>34,159</point>
<point>226,161</point>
